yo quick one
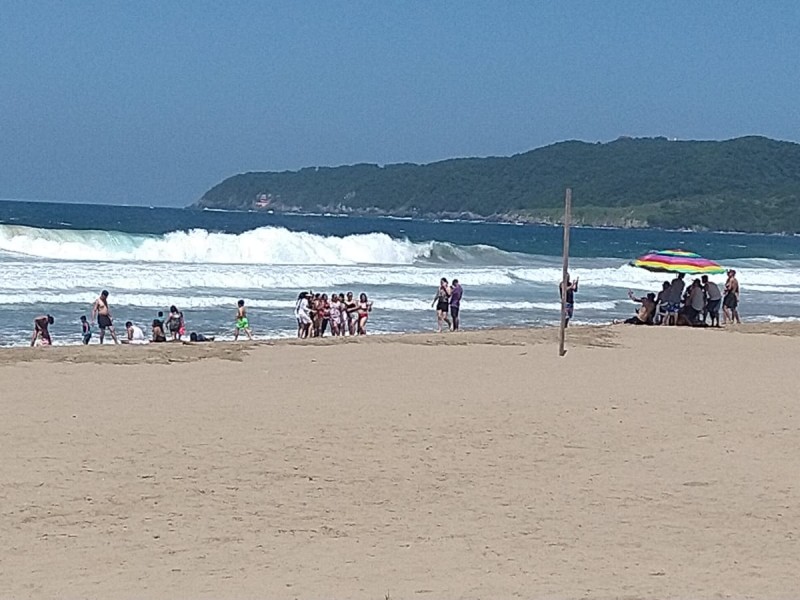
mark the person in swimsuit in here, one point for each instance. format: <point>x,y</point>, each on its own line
<point>325,314</point>
<point>442,303</point>
<point>41,329</point>
<point>455,304</point>
<point>569,305</point>
<point>86,330</point>
<point>674,300</point>
<point>351,310</point>
<point>199,337</point>
<point>335,314</point>
<point>364,308</point>
<point>158,331</point>
<point>242,322</point>
<point>175,323</point>
<point>730,302</point>
<point>101,310</point>
<point>645,314</point>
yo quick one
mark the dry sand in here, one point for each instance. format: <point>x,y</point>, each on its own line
<point>647,463</point>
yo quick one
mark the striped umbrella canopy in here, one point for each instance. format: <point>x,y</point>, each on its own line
<point>678,261</point>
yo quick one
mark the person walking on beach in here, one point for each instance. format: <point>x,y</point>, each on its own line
<point>569,305</point>
<point>175,323</point>
<point>442,303</point>
<point>41,329</point>
<point>86,330</point>
<point>713,300</point>
<point>242,322</point>
<point>101,310</point>
<point>730,303</point>
<point>455,304</point>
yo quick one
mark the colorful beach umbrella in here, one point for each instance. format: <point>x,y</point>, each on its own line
<point>678,261</point>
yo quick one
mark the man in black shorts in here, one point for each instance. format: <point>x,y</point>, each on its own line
<point>103,313</point>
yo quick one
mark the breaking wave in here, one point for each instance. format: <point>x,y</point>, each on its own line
<point>262,246</point>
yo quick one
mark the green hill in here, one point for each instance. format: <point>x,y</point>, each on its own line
<point>744,184</point>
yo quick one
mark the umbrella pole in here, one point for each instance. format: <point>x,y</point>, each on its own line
<point>567,218</point>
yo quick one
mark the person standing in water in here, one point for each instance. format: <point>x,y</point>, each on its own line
<point>242,322</point>
<point>41,329</point>
<point>569,305</point>
<point>101,310</point>
<point>442,303</point>
<point>455,304</point>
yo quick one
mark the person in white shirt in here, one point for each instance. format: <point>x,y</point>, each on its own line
<point>135,335</point>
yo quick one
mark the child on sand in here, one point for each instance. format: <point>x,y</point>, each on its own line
<point>242,322</point>
<point>86,330</point>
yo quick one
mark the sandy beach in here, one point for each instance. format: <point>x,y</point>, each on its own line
<point>646,463</point>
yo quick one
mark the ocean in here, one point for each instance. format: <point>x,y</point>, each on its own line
<point>56,258</point>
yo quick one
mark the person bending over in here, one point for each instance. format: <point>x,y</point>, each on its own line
<point>41,329</point>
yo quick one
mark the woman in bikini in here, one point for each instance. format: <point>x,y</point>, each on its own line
<point>364,308</point>
<point>442,303</point>
<point>351,308</point>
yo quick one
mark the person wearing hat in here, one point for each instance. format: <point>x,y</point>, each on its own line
<point>730,302</point>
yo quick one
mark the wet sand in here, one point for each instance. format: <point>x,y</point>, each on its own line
<point>647,463</point>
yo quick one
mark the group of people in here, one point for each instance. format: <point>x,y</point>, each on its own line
<point>173,325</point>
<point>315,313</point>
<point>447,302</point>
<point>695,305</point>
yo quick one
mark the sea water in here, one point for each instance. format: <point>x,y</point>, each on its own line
<point>56,258</point>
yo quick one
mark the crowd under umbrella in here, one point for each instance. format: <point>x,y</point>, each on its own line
<point>677,261</point>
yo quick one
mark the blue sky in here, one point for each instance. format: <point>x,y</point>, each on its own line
<point>154,102</point>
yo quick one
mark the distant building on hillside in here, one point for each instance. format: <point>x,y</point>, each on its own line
<point>263,200</point>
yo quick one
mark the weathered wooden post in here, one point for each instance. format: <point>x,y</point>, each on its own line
<point>564,273</point>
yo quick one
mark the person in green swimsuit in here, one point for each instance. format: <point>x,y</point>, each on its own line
<point>242,324</point>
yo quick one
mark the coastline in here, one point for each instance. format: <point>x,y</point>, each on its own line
<point>476,464</point>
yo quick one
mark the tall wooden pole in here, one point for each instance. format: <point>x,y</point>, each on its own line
<point>564,272</point>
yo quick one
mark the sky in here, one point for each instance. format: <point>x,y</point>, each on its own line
<point>153,103</point>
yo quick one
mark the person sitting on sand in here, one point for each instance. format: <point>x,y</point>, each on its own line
<point>135,335</point>
<point>645,314</point>
<point>662,301</point>
<point>242,322</point>
<point>158,331</point>
<point>41,329</point>
<point>86,330</point>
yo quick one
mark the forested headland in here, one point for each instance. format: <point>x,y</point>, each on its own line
<point>744,184</point>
